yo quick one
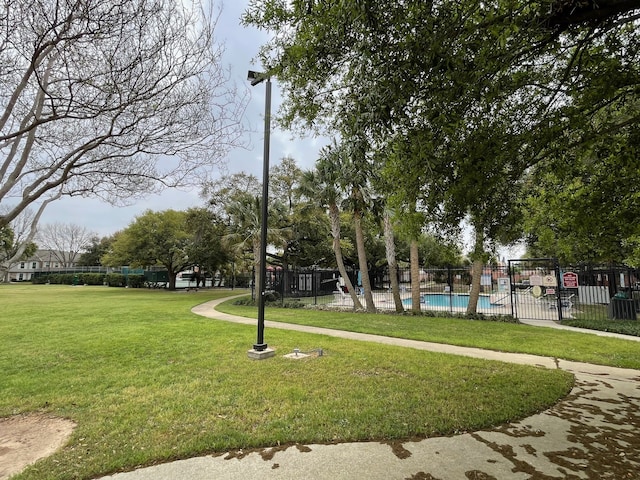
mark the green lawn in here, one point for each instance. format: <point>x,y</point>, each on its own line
<point>506,337</point>
<point>147,381</point>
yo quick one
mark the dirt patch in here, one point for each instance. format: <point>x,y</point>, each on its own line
<point>27,438</point>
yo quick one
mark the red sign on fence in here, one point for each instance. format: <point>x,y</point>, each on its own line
<point>570,280</point>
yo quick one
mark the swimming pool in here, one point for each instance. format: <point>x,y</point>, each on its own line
<point>445,300</point>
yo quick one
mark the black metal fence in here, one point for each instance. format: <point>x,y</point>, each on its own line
<point>603,291</point>
<point>536,289</point>
<point>442,289</point>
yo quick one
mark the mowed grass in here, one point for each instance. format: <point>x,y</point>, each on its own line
<point>147,381</point>
<point>505,337</point>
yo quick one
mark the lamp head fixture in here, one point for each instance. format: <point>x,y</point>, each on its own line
<point>256,77</point>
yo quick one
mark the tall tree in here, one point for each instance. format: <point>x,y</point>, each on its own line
<point>154,239</point>
<point>244,227</point>
<point>284,182</point>
<point>284,178</point>
<point>585,206</point>
<point>12,250</point>
<point>65,240</point>
<point>109,100</point>
<point>15,245</point>
<point>410,151</point>
<point>206,249</point>
<point>221,192</point>
<point>355,170</point>
<point>390,249</point>
<point>492,89</point>
<point>322,185</point>
<point>98,246</point>
<point>481,180</point>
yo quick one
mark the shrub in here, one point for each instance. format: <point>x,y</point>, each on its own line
<point>292,305</point>
<point>271,297</point>
<point>136,281</point>
<point>61,278</point>
<point>91,278</point>
<point>245,302</point>
<point>120,280</point>
<point>40,280</point>
<point>115,280</point>
<point>68,279</point>
<point>624,327</point>
<point>464,316</point>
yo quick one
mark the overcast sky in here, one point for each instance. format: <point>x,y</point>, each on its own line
<point>241,45</point>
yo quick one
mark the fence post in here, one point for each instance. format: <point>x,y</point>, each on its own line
<point>314,284</point>
<point>450,285</point>
<point>556,266</point>
<point>512,289</point>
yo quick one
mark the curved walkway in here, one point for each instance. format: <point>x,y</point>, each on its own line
<point>594,433</point>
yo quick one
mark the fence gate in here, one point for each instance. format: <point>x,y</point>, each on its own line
<point>535,289</point>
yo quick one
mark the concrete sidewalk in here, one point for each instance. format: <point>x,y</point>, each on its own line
<point>594,433</point>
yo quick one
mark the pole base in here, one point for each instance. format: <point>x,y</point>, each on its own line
<point>261,354</point>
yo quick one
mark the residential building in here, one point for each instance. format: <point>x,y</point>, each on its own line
<point>42,261</point>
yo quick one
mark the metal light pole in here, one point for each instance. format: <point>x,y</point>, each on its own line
<point>260,349</point>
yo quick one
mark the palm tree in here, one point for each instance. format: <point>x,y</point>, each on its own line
<point>322,186</point>
<point>390,249</point>
<point>245,219</point>
<point>358,201</point>
<point>355,171</point>
<point>409,151</point>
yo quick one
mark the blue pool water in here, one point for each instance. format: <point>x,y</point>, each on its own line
<point>444,300</point>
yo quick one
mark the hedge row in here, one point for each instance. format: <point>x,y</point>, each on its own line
<point>110,279</point>
<point>625,327</point>
<point>120,280</point>
<point>68,278</point>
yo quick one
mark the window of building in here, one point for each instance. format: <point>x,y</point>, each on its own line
<point>21,266</point>
<point>33,265</point>
<point>20,277</point>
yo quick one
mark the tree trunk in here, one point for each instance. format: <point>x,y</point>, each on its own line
<point>172,279</point>
<point>362,262</point>
<point>334,216</point>
<point>390,248</point>
<point>415,275</point>
<point>476,271</point>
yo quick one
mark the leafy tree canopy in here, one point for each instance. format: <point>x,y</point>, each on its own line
<point>462,97</point>
<point>154,239</point>
<point>206,248</point>
<point>94,251</point>
<point>585,208</point>
<point>9,247</point>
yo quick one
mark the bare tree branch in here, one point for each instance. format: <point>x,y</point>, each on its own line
<point>110,99</point>
<point>65,240</point>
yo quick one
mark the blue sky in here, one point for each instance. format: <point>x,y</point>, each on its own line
<point>241,48</point>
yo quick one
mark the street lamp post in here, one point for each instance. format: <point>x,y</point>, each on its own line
<point>260,349</point>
